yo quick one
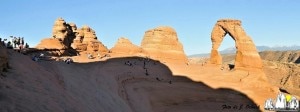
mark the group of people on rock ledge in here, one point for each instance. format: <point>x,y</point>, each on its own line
<point>14,43</point>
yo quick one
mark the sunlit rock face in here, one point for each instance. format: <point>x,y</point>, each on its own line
<point>63,31</point>
<point>162,43</point>
<point>124,46</point>
<point>246,54</point>
<point>86,40</point>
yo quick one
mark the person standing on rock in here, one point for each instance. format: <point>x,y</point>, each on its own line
<point>26,45</point>
<point>20,47</point>
<point>18,41</point>
<point>147,72</point>
<point>5,44</point>
<point>13,40</point>
<point>144,64</point>
<point>1,42</point>
<point>8,45</point>
<point>22,41</point>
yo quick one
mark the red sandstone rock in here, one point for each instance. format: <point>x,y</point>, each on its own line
<point>246,54</point>
<point>124,46</point>
<point>86,40</point>
<point>162,43</point>
<point>66,37</point>
<point>51,43</point>
<point>63,31</point>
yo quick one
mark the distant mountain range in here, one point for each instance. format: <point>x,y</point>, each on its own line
<point>259,48</point>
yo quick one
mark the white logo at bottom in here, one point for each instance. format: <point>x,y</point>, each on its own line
<point>282,103</point>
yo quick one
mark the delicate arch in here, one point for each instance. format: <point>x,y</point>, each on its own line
<point>246,53</point>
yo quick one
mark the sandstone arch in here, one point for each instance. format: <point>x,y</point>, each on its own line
<point>246,53</point>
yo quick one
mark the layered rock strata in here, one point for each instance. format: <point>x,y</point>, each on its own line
<point>162,43</point>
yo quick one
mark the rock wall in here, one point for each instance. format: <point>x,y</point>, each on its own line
<point>246,54</point>
<point>162,43</point>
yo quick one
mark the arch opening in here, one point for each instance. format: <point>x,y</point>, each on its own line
<point>246,53</point>
<point>227,51</point>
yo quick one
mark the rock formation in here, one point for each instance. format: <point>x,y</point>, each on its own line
<point>66,37</point>
<point>59,40</point>
<point>246,54</point>
<point>162,43</point>
<point>124,46</point>
<point>63,31</point>
<point>86,40</point>
<point>3,58</point>
<point>59,43</point>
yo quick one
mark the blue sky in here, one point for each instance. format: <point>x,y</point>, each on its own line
<point>268,22</point>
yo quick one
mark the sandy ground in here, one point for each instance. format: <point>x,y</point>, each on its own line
<point>109,85</point>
